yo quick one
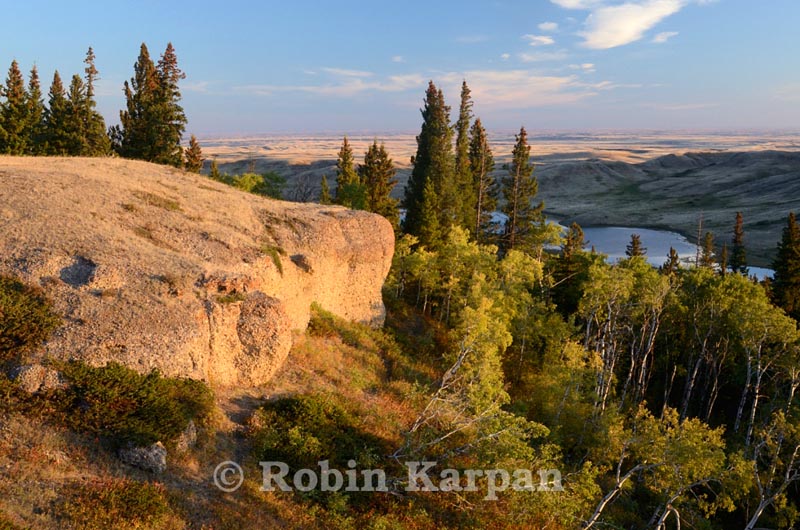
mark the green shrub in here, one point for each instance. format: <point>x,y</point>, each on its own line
<point>123,504</point>
<point>275,254</point>
<point>269,184</point>
<point>231,298</point>
<point>158,201</point>
<point>26,318</point>
<point>123,406</point>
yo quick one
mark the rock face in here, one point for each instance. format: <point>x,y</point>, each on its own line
<point>152,458</point>
<point>157,268</point>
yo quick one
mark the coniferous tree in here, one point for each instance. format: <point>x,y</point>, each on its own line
<point>525,221</point>
<point>97,141</point>
<point>481,163</point>
<point>786,281</point>
<point>463,166</point>
<point>170,117</point>
<point>350,191</point>
<point>75,126</point>
<point>635,248</point>
<point>56,118</point>
<point>324,191</point>
<point>36,109</point>
<point>707,255</point>
<point>673,263</point>
<point>738,261</point>
<point>194,156</point>
<point>723,260</point>
<point>14,118</point>
<point>432,178</point>
<point>377,175</point>
<point>214,170</point>
<point>574,242</point>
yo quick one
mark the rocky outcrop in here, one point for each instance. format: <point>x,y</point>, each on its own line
<point>157,268</point>
<point>151,458</point>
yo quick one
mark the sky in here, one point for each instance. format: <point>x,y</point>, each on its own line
<point>295,66</point>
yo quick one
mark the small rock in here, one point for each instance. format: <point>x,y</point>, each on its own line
<point>152,458</point>
<point>33,378</point>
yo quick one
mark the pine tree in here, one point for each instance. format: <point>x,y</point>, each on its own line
<point>350,191</point>
<point>673,263</point>
<point>481,163</point>
<point>738,262</point>
<point>574,242</point>
<point>635,248</point>
<point>97,141</point>
<point>377,175</point>
<point>137,122</point>
<point>786,280</point>
<point>525,221</point>
<point>75,125</point>
<point>35,128</point>
<point>213,172</point>
<point>434,170</point>
<point>170,117</point>
<point>14,117</point>
<point>723,260</point>
<point>194,156</point>
<point>324,191</point>
<point>55,119</point>
<point>463,166</point>
<point>707,255</point>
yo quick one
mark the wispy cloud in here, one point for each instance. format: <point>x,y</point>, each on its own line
<point>585,67</point>
<point>677,107</point>
<point>541,57</point>
<point>539,40</point>
<point>343,83</point>
<point>505,56</point>
<point>664,36</point>
<point>548,26</point>
<point>196,86</point>
<point>610,25</point>
<point>347,73</point>
<point>398,59</point>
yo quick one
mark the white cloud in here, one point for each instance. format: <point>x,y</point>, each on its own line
<point>517,88</point>
<point>347,73</point>
<point>398,59</point>
<point>197,86</point>
<point>505,56</point>
<point>664,36</point>
<point>541,57</point>
<point>539,40</point>
<point>586,67</point>
<point>548,26</point>
<point>472,39</point>
<point>576,4</point>
<point>612,26</point>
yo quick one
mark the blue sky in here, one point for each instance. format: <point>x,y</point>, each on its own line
<point>357,66</point>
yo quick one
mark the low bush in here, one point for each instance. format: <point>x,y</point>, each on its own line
<point>26,318</point>
<point>123,406</point>
<point>119,504</point>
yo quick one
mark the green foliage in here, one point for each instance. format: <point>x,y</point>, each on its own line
<point>377,177</point>
<point>14,114</point>
<point>26,318</point>
<point>635,248</point>
<point>123,504</point>
<point>738,260</point>
<point>464,178</point>
<point>275,254</point>
<point>193,156</point>
<point>268,184</point>
<point>324,191</point>
<point>350,189</point>
<point>786,282</point>
<point>124,406</point>
<point>483,185</point>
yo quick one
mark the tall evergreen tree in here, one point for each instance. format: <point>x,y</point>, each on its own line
<point>377,175</point>
<point>738,261</point>
<point>170,116</point>
<point>324,191</point>
<point>35,128</point>
<point>707,254</point>
<point>574,242</point>
<point>723,260</point>
<point>463,166</point>
<point>349,188</point>
<point>56,118</point>
<point>525,222</point>
<point>481,163</point>
<point>194,156</point>
<point>635,248</point>
<point>786,281</point>
<point>213,171</point>
<point>434,170</point>
<point>97,141</point>
<point>75,126</point>
<point>14,111</point>
<point>673,263</point>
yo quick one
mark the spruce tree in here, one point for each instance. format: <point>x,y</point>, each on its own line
<point>707,255</point>
<point>723,260</point>
<point>138,125</point>
<point>55,119</point>
<point>35,127</point>
<point>214,170</point>
<point>738,261</point>
<point>525,221</point>
<point>635,248</point>
<point>377,175</point>
<point>434,170</point>
<point>324,191</point>
<point>673,263</point>
<point>97,141</point>
<point>574,242</point>
<point>14,113</point>
<point>75,125</point>
<point>463,166</point>
<point>194,156</point>
<point>786,280</point>
<point>170,117</point>
<point>349,188</point>
<point>483,184</point>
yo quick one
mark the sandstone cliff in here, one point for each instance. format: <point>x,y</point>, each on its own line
<point>157,268</point>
